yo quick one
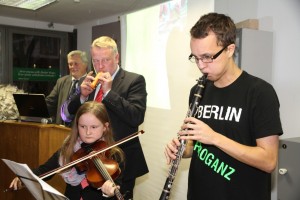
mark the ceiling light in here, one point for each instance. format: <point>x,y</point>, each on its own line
<point>27,4</point>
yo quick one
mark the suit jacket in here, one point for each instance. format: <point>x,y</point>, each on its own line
<point>126,106</point>
<point>58,96</point>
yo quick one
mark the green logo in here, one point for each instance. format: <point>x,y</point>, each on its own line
<point>214,163</point>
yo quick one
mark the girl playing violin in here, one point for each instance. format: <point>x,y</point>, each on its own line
<point>91,125</point>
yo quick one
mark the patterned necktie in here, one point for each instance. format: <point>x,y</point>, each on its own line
<point>74,86</point>
<point>99,95</point>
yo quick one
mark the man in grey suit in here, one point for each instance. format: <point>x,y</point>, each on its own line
<point>78,63</point>
<point>124,96</point>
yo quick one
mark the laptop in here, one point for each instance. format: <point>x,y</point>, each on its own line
<point>32,107</point>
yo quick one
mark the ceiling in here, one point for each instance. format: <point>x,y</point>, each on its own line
<point>73,12</point>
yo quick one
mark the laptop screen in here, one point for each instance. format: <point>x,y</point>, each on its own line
<point>32,107</point>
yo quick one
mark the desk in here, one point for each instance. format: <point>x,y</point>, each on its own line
<point>32,144</point>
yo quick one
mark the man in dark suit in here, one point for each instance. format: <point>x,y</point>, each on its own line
<point>78,63</point>
<point>124,95</point>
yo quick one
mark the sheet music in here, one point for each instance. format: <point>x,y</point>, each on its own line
<point>38,188</point>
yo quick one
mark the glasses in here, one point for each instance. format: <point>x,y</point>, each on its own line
<point>206,59</point>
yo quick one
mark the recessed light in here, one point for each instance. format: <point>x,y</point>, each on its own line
<point>27,4</point>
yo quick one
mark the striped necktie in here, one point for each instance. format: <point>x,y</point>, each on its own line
<point>74,86</point>
<point>99,95</point>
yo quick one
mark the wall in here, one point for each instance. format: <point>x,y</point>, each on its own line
<point>84,33</point>
<point>285,17</point>
<point>34,24</point>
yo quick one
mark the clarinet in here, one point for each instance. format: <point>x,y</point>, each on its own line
<point>175,163</point>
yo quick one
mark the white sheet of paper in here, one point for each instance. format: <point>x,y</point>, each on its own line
<point>38,188</point>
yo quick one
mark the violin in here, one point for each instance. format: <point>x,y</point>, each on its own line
<point>89,156</point>
<point>98,168</point>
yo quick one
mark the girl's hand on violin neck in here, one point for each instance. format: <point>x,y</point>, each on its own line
<point>108,188</point>
<point>16,184</point>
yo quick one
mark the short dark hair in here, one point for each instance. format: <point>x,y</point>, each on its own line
<point>222,25</point>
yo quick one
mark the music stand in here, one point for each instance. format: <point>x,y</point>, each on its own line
<point>36,186</point>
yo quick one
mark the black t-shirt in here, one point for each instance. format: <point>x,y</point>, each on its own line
<point>244,111</point>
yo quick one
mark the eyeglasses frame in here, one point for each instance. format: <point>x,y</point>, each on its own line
<point>212,57</point>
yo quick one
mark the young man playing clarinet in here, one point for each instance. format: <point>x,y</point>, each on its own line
<point>233,138</point>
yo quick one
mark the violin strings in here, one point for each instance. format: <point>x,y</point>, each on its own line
<point>100,166</point>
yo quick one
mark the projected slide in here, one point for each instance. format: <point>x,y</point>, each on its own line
<point>148,33</point>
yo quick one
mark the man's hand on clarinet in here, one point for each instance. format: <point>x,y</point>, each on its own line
<point>171,150</point>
